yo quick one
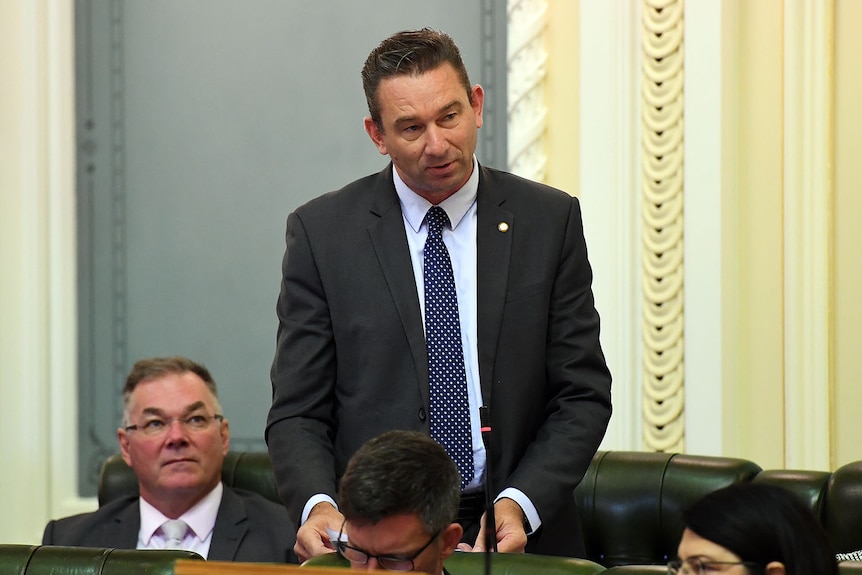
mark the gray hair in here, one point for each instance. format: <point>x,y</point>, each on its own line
<point>155,367</point>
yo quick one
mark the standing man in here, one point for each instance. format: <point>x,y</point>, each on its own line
<point>175,438</point>
<point>373,335</point>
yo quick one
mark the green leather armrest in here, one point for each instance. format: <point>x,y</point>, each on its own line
<point>55,559</point>
<point>502,564</point>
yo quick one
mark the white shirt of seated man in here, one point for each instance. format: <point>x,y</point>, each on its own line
<point>200,519</point>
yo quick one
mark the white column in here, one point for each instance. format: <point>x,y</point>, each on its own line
<point>709,181</point>
<point>610,196</point>
<point>38,419</point>
<point>808,195</point>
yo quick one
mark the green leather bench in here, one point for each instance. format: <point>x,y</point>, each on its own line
<point>56,560</point>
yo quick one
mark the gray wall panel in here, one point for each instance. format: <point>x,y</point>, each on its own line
<point>201,125</point>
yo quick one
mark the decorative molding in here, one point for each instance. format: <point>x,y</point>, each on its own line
<point>527,114</point>
<point>662,212</point>
<point>808,224</point>
<point>118,194</point>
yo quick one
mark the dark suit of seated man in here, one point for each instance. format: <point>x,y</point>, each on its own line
<point>175,438</point>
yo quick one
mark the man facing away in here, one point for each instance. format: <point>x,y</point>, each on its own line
<point>400,497</point>
<point>429,293</point>
<point>175,438</point>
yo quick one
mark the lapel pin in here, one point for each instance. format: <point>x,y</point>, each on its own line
<point>503,227</point>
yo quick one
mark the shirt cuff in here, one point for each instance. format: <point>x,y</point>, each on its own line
<point>314,500</point>
<point>532,516</point>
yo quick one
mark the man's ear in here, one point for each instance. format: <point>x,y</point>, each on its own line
<point>451,536</point>
<point>123,439</point>
<point>376,135</point>
<point>224,429</point>
<point>477,97</point>
<point>775,568</point>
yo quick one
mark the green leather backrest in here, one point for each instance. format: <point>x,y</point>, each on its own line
<point>460,563</point>
<point>241,469</point>
<point>842,513</point>
<point>58,560</point>
<point>630,503</point>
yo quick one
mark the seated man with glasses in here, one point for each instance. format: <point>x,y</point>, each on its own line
<point>175,438</point>
<point>399,496</point>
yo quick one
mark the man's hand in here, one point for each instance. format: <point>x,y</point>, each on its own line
<point>511,537</point>
<point>311,538</point>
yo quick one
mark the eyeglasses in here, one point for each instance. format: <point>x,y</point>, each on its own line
<point>388,562</point>
<point>700,567</point>
<point>193,423</point>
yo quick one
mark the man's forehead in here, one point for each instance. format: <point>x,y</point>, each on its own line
<point>184,391</point>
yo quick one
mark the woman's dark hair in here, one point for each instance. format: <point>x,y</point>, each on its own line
<point>761,523</point>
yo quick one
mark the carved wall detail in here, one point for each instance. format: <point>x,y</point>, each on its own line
<point>662,217</point>
<point>526,70</point>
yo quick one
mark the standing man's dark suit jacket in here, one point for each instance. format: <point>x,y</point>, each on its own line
<point>248,528</point>
<point>351,361</point>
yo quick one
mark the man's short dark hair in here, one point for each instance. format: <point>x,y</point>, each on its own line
<point>411,52</point>
<point>156,367</point>
<point>401,473</point>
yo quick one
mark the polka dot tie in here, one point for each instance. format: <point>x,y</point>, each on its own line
<point>450,417</point>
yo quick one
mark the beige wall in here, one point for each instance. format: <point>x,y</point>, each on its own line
<point>766,393</point>
<point>762,237</point>
<point>562,90</point>
<point>848,232</point>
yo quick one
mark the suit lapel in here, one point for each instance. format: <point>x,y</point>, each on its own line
<point>230,527</point>
<point>390,244</point>
<point>122,532</point>
<point>493,247</point>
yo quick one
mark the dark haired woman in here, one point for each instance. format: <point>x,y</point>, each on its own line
<point>752,528</point>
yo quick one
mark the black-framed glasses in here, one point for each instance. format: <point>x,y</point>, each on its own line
<point>156,426</point>
<point>388,562</point>
<point>701,567</point>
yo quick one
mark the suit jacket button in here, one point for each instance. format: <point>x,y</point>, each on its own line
<point>421,414</point>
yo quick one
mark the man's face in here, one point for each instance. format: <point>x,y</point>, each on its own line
<point>403,536</point>
<point>429,130</point>
<point>183,463</point>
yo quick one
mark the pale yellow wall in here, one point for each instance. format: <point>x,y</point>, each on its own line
<point>760,349</point>
<point>760,344</point>
<point>562,96</point>
<point>848,233</point>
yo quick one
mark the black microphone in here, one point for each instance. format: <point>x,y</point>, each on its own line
<point>490,521</point>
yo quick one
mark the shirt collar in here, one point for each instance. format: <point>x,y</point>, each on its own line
<point>414,207</point>
<point>200,518</point>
